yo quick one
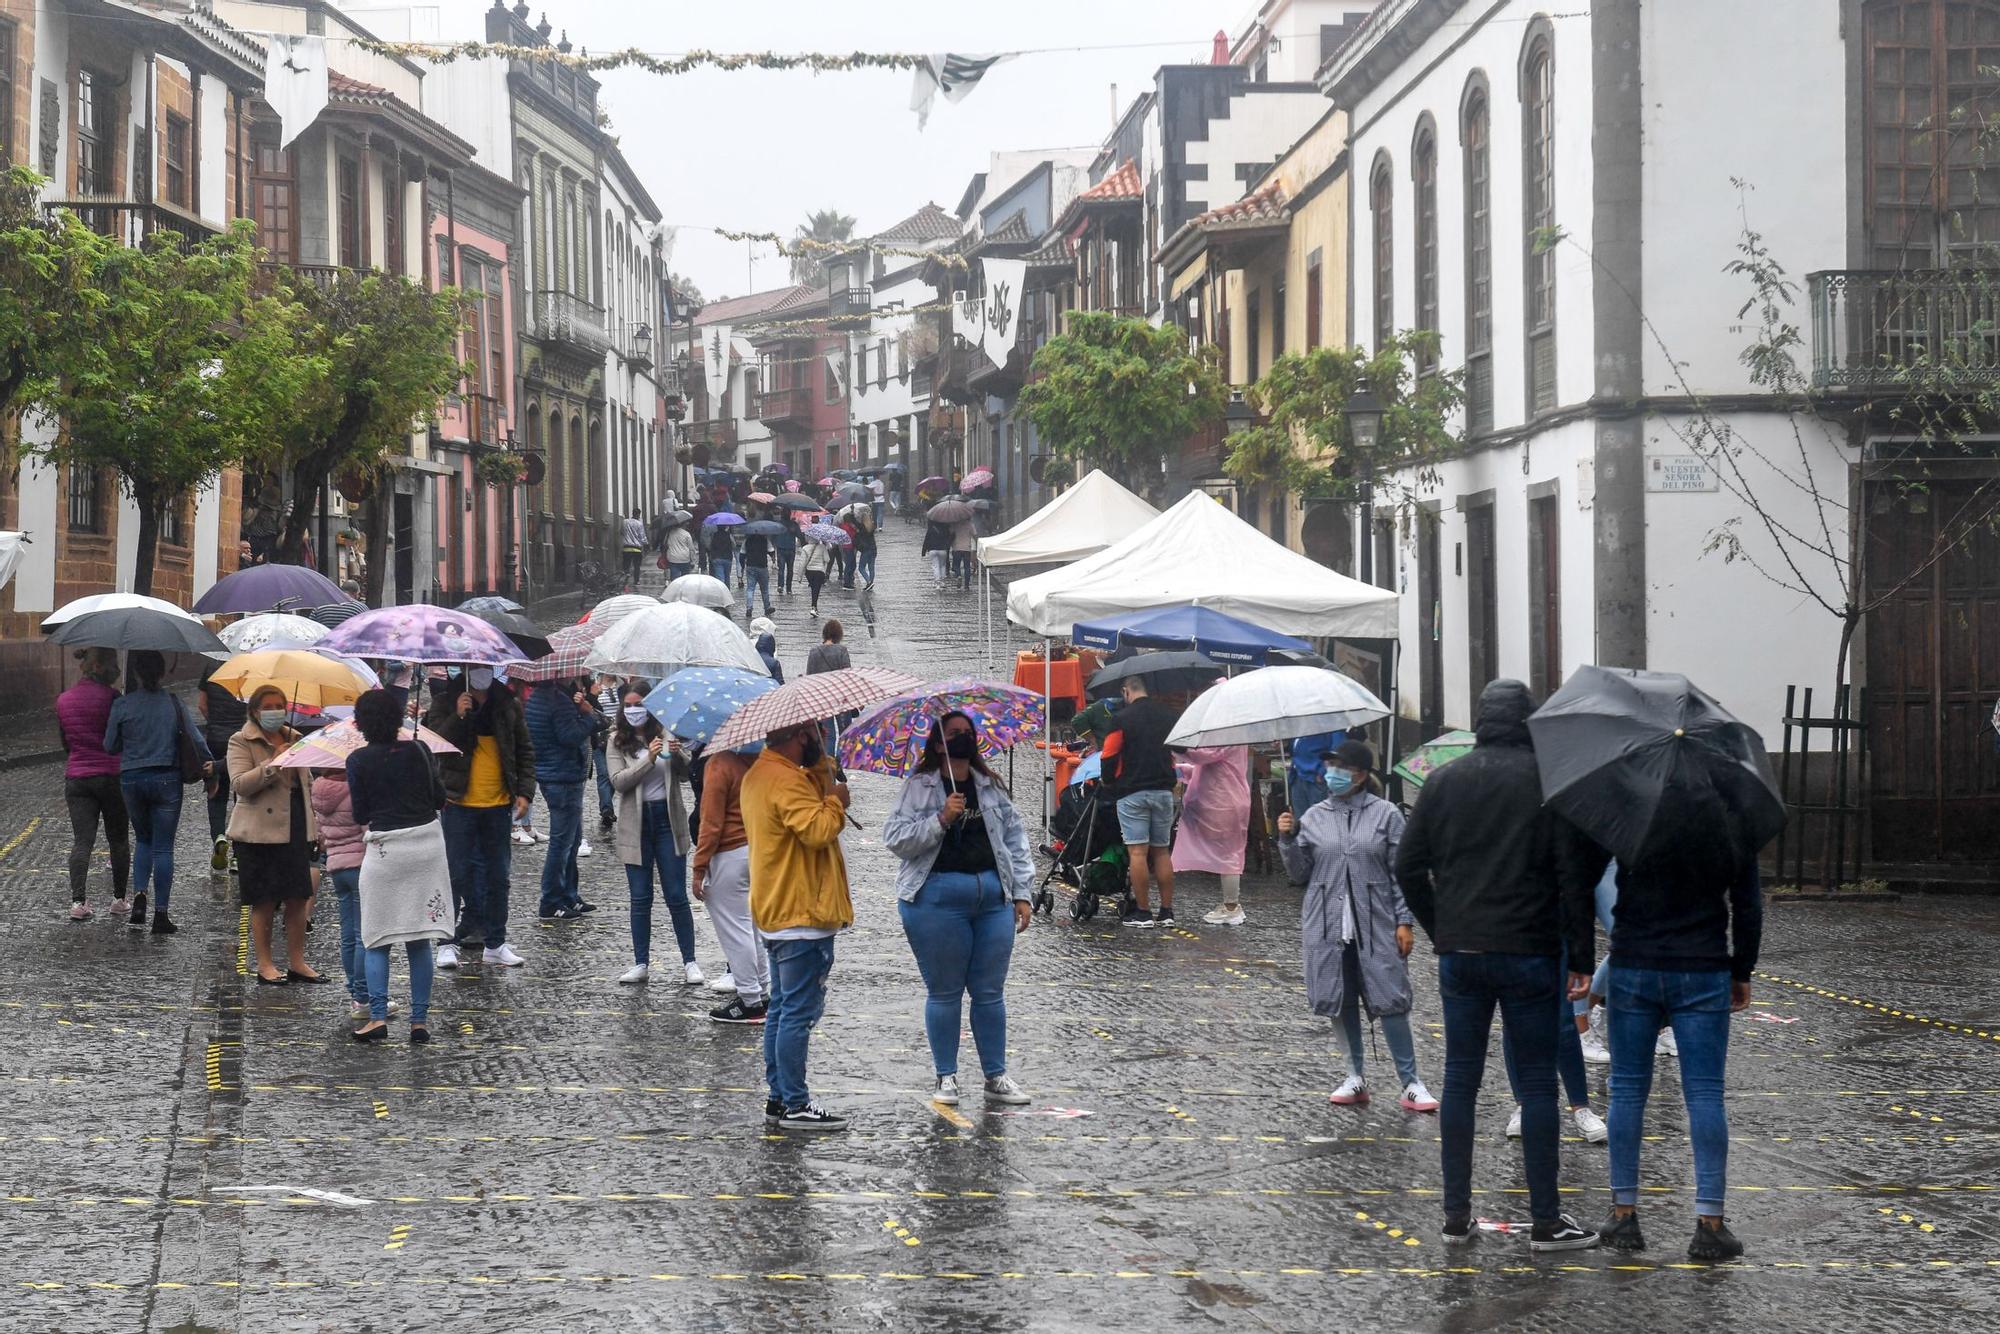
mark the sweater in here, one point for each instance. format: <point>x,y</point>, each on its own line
<point>391,787</point>
<point>721,809</point>
<point>338,833</point>
<point>792,821</point>
<point>501,718</point>
<point>84,711</point>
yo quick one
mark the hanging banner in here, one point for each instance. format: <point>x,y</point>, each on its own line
<point>952,75</point>
<point>967,316</point>
<point>836,372</point>
<point>715,365</point>
<point>1000,321</point>
<point>295,83</point>
<point>10,555</point>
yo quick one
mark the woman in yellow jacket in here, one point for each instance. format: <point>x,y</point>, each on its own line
<point>273,829</point>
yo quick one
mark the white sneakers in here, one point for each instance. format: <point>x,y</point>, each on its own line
<point>1417,1098</point>
<point>1514,1123</point>
<point>693,975</point>
<point>504,957</point>
<point>634,975</point>
<point>447,956</point>
<point>1353,1092</point>
<point>523,836</point>
<point>1665,1044</point>
<point>1595,1052</point>
<point>1224,916</point>
<point>583,848</point>
<point>946,1091</point>
<point>727,982</point>
<point>1002,1089</point>
<point>1589,1125</point>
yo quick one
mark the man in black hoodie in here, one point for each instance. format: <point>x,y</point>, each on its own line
<point>1502,888</point>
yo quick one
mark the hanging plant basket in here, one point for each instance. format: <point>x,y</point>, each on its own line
<point>500,469</point>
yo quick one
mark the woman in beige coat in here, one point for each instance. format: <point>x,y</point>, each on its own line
<point>647,772</point>
<point>273,829</point>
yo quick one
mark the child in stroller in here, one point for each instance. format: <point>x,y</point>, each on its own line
<point>1088,850</point>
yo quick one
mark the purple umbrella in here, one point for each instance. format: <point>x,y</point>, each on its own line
<point>269,588</point>
<point>422,634</point>
<point>723,520</point>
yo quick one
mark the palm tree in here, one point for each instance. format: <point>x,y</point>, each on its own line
<point>827,224</point>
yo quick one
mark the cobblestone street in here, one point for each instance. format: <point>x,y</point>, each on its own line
<point>183,1150</point>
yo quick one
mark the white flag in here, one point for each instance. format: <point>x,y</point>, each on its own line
<point>968,317</point>
<point>952,75</point>
<point>295,83</point>
<point>1000,321</point>
<point>715,365</point>
<point>836,373</point>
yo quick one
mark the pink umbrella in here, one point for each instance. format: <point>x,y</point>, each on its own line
<point>329,747</point>
<point>792,485</point>
<point>423,634</point>
<point>975,479</point>
<point>762,497</point>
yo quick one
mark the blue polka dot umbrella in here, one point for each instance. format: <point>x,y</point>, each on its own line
<point>695,703</point>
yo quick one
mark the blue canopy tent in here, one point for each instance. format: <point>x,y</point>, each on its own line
<point>1219,635</point>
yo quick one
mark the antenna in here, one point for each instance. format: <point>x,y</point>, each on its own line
<point>1114,106</point>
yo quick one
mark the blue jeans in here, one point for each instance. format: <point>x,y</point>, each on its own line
<point>1607,904</point>
<point>607,800</point>
<point>1569,1056</point>
<point>864,564</point>
<point>1527,989</point>
<point>1640,1003</point>
<point>879,506</point>
<point>1395,1027</point>
<point>961,565</point>
<point>565,833</point>
<point>422,960</point>
<point>757,577</point>
<point>719,567</point>
<point>787,562</point>
<point>675,570</point>
<point>961,928</point>
<point>657,850</point>
<point>153,800</point>
<point>798,998</point>
<point>847,567</point>
<point>481,860</point>
<point>347,893</point>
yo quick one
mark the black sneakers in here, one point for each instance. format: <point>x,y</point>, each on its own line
<point>162,926</point>
<point>736,1012</point>
<point>1458,1229</point>
<point>138,917</point>
<point>1133,916</point>
<point>1714,1243</point>
<point>773,1111</point>
<point>1562,1233</point>
<point>1621,1232</point>
<point>562,914</point>
<point>812,1116</point>
<point>1164,917</point>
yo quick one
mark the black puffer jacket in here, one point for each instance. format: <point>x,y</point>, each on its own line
<point>1483,865</point>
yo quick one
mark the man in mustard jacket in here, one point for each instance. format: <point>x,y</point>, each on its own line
<point>793,811</point>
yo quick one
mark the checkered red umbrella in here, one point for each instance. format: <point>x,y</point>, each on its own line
<point>569,647</point>
<point>810,699</point>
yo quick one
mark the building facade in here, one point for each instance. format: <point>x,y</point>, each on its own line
<point>634,266</point>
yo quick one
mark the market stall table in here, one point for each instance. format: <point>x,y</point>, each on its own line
<point>1064,679</point>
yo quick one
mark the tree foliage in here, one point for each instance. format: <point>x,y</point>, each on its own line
<point>47,266</point>
<point>826,224</point>
<point>1117,393</point>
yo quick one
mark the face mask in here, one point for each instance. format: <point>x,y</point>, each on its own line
<point>961,747</point>
<point>813,753</point>
<point>480,678</point>
<point>270,719</point>
<point>1339,782</point>
<point>636,715</point>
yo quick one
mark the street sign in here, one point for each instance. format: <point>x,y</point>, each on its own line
<point>1679,472</point>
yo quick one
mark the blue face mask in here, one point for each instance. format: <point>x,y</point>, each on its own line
<point>1339,782</point>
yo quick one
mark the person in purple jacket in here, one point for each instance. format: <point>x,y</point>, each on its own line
<point>90,782</point>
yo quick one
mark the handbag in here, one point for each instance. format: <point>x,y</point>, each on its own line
<point>186,751</point>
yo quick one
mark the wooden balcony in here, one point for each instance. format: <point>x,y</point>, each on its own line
<point>1915,330</point>
<point>715,433</point>
<point>485,420</point>
<point>788,407</point>
<point>1201,454</point>
<point>131,222</point>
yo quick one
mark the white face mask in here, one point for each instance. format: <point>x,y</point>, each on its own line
<point>480,678</point>
<point>636,715</point>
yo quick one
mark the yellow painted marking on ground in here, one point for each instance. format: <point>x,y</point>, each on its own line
<point>1901,1217</point>
<point>21,837</point>
<point>1178,1114</point>
<point>1394,1233</point>
<point>902,1233</point>
<point>952,1114</point>
<point>1963,1030</point>
<point>381,1111</point>
<point>398,1235</point>
<point>243,943</point>
<point>214,1064</point>
<point>1914,1113</point>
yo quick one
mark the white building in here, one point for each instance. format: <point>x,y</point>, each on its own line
<point>891,391</point>
<point>634,266</point>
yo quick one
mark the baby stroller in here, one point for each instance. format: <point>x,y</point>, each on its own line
<point>1089,852</point>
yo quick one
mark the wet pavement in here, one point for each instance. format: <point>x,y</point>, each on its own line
<point>180,1149</point>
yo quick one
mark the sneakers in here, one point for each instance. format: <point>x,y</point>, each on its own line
<point>1664,1045</point>
<point>583,848</point>
<point>736,1012</point>
<point>606,818</point>
<point>1164,917</point>
<point>1711,1244</point>
<point>1353,1092</point>
<point>80,912</point>
<point>218,860</point>
<point>1621,1233</point>
<point>773,1111</point>
<point>1003,1090</point>
<point>1135,917</point>
<point>691,975</point>
<point>138,918</point>
<point>563,914</point>
<point>946,1091</point>
<point>1224,916</point>
<point>358,1010</point>
<point>504,957</point>
<point>812,1116</point>
<point>634,975</point>
<point>1563,1233</point>
<point>162,924</point>
<point>725,983</point>
<point>447,956</point>
<point>1514,1123</point>
<point>1417,1098</point>
<point>120,907</point>
<point>1594,1050</point>
<point>524,837</point>
<point>1590,1125</point>
<point>584,906</point>
<point>1457,1230</point>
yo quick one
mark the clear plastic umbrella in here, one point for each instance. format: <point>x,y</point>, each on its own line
<point>1273,703</point>
<point>667,637</point>
<point>269,628</point>
<point>616,608</point>
<point>700,590</point>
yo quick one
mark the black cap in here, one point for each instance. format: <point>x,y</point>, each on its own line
<point>1354,754</point>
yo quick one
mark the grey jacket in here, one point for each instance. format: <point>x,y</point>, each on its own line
<point>914,835</point>
<point>1344,853</point>
<point>627,773</point>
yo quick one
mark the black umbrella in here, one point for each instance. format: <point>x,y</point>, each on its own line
<point>137,628</point>
<point>852,493</point>
<point>530,638</point>
<point>794,501</point>
<point>1616,746</point>
<point>762,528</point>
<point>1163,671</point>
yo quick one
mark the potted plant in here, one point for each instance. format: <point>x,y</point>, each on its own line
<point>500,469</point>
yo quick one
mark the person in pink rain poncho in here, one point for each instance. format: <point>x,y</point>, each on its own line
<point>1215,822</point>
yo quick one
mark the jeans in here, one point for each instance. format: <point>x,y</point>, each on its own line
<point>347,893</point>
<point>1569,1056</point>
<point>565,833</point>
<point>961,565</point>
<point>607,800</point>
<point>787,562</point>
<point>1527,988</point>
<point>847,567</point>
<point>657,849</point>
<point>1607,902</point>
<point>422,960</point>
<point>755,578</point>
<point>815,581</point>
<point>798,998</point>
<point>1395,1027</point>
<point>676,569</point>
<point>879,506</point>
<point>729,913</point>
<point>153,800</point>
<point>961,928</point>
<point>89,799</point>
<point>631,557</point>
<point>865,564</point>
<point>719,567</point>
<point>1302,792</point>
<point>1640,1003</point>
<point>481,859</point>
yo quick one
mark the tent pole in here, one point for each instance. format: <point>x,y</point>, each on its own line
<point>1395,705</point>
<point>1048,737</point>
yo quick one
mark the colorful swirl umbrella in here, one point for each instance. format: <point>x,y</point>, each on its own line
<point>889,738</point>
<point>695,703</point>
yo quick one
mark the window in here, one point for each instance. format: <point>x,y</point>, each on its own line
<point>176,153</point>
<point>1381,208</point>
<point>273,195</point>
<point>1278,318</point>
<point>446,267</point>
<point>1423,160</point>
<point>903,356</point>
<point>753,404</point>
<point>348,205</point>
<point>1544,595</point>
<point>392,219</point>
<point>857,369</point>
<point>1253,326</point>
<point>1933,193</point>
<point>1474,125</point>
<point>84,494</point>
<point>173,530</point>
<point>1314,312</point>
<point>1482,597</point>
<point>93,133</point>
<point>1538,202</point>
<point>7,35</point>
<point>882,364</point>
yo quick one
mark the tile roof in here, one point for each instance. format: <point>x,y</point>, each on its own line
<point>1056,253</point>
<point>1121,184</point>
<point>1262,207</point>
<point>1012,230</point>
<point>929,223</point>
<point>730,309</point>
<point>352,91</point>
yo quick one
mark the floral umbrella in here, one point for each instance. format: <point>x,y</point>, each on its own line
<point>694,704</point>
<point>329,747</point>
<point>828,533</point>
<point>422,634</point>
<point>889,738</point>
<point>1433,755</point>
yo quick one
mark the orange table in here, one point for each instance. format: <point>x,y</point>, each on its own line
<point>1066,761</point>
<point>1064,679</point>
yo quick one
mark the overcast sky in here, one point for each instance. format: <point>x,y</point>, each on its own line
<point>757,151</point>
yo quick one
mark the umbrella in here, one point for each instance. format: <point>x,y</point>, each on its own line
<point>679,517</point>
<point>1613,743</point>
<point>1203,629</point>
<point>950,511</point>
<point>667,637</point>
<point>983,506</point>
<point>889,738</point>
<point>531,639</point>
<point>853,493</point>
<point>423,634</point>
<point>329,747</point>
<point>796,502</point>
<point>829,534</point>
<point>1274,703</point>
<point>934,484</point>
<point>811,699</point>
<point>1417,766</point>
<point>617,607</point>
<point>694,703</point>
<point>270,588</point>
<point>271,627</point>
<point>862,516</point>
<point>491,602</point>
<point>722,520</point>
<point>312,679</point>
<point>137,628</point>
<point>975,479</point>
<point>778,469</point>
<point>337,613</point>
<point>824,481</point>
<point>568,647</point>
<point>83,606</point>
<point>1163,671</point>
<point>702,590</point>
<point>792,485</point>
<point>845,474</point>
<point>764,528</point>
<point>761,497</point>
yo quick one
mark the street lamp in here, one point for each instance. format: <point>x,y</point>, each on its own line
<point>1239,416</point>
<point>642,343</point>
<point>1364,431</point>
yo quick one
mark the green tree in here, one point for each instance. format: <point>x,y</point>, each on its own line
<point>1114,392</point>
<point>47,263</point>
<point>154,390</point>
<point>1304,444</point>
<point>827,224</point>
<point>352,367</point>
